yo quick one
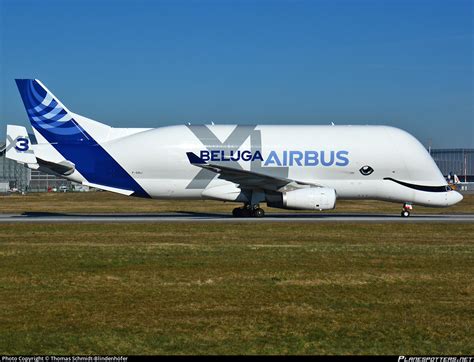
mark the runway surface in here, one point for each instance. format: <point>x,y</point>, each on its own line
<point>35,217</point>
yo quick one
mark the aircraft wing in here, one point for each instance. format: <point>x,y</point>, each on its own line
<point>249,179</point>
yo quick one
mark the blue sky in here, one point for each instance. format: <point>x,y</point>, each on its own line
<point>151,63</point>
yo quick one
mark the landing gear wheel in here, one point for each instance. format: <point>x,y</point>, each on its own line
<point>237,212</point>
<point>405,213</point>
<point>246,212</point>
<point>407,207</point>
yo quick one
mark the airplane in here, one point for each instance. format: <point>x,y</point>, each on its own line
<point>299,167</point>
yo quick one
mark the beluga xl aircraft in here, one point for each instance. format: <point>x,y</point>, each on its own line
<point>285,166</point>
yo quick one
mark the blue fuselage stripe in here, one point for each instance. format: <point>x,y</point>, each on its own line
<point>96,165</point>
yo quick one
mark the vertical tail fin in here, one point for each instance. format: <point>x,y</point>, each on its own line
<point>71,135</point>
<point>18,145</point>
<point>48,115</point>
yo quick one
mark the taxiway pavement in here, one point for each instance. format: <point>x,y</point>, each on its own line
<point>38,217</point>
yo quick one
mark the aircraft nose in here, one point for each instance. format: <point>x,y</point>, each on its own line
<point>454,197</point>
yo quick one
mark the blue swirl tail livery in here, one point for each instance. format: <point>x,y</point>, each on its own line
<point>49,117</point>
<point>285,166</point>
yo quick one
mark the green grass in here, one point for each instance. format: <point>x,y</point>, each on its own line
<point>236,289</point>
<point>107,202</point>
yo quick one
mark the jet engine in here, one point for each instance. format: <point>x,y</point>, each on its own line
<point>313,198</point>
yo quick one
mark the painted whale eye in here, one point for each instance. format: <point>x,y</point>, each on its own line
<point>366,170</point>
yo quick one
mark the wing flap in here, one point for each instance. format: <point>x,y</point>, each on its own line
<point>248,179</point>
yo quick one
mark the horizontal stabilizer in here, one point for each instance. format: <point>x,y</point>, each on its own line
<point>63,168</point>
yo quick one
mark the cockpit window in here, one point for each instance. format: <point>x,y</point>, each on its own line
<point>449,188</point>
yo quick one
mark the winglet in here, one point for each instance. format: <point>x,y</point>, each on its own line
<point>195,159</point>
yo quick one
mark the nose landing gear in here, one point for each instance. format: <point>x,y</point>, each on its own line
<point>248,211</point>
<point>406,210</point>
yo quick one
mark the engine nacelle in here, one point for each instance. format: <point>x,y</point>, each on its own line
<point>313,198</point>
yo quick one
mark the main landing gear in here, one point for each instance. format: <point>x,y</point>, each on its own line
<point>406,210</point>
<point>248,211</point>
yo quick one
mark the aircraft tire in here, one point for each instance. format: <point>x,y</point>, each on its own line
<point>246,212</point>
<point>237,212</point>
<point>405,213</point>
<point>258,212</point>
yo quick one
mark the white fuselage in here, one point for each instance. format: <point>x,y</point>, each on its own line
<point>330,156</point>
